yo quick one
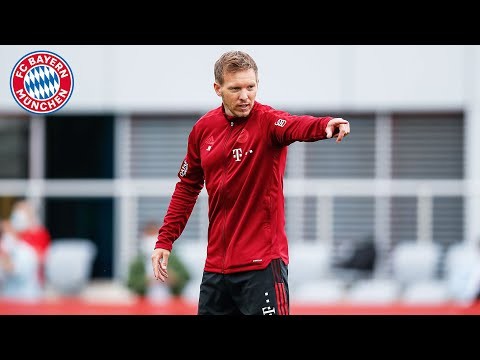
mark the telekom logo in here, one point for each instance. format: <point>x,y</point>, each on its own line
<point>237,154</point>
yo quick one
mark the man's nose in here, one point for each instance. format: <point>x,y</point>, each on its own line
<point>244,94</point>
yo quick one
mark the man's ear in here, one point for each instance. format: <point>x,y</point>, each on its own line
<point>217,88</point>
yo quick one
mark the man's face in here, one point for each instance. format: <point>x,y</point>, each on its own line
<point>238,92</point>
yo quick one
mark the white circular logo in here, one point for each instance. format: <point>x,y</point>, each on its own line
<point>41,82</point>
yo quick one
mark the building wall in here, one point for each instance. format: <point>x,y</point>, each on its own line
<point>180,77</point>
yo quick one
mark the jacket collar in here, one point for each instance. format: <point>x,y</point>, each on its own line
<point>237,119</point>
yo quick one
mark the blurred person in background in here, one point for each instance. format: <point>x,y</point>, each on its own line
<point>25,225</point>
<point>238,152</point>
<point>465,279</point>
<point>20,262</point>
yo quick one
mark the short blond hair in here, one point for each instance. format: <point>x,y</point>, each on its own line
<point>233,61</point>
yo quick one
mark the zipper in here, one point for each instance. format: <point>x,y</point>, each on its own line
<point>225,162</point>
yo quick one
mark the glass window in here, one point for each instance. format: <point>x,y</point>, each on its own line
<point>79,147</point>
<point>158,145</point>
<point>14,147</point>
<point>356,154</point>
<point>427,146</point>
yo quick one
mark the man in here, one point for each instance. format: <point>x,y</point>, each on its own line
<point>238,152</point>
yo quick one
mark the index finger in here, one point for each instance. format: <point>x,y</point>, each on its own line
<point>344,131</point>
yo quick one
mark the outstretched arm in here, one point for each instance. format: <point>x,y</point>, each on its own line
<point>285,128</point>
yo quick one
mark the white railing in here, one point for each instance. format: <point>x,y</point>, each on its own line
<point>126,192</point>
<point>293,187</point>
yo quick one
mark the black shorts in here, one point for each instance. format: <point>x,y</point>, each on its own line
<point>256,292</point>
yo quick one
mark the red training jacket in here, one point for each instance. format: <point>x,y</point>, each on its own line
<point>241,162</point>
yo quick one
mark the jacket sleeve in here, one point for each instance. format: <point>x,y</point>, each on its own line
<point>185,195</point>
<point>285,128</point>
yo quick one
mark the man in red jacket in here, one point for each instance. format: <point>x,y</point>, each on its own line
<point>238,152</point>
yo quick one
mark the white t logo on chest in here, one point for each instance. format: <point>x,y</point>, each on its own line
<point>237,154</point>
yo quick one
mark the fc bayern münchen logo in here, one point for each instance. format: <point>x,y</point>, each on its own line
<point>41,82</point>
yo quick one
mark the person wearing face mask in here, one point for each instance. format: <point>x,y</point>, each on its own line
<point>19,267</point>
<point>25,226</point>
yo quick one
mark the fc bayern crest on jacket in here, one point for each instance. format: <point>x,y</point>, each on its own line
<point>41,82</point>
